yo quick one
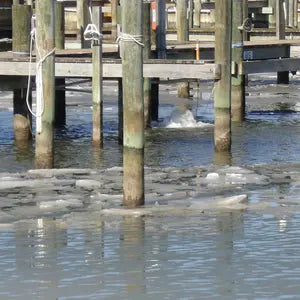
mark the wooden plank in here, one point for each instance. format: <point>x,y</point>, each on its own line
<point>271,65</point>
<point>114,70</point>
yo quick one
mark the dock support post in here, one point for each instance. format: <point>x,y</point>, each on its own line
<point>282,77</point>
<point>114,16</point>
<point>133,101</point>
<point>146,55</point>
<point>45,40</point>
<point>21,18</point>
<point>191,13</point>
<point>291,13</point>
<point>222,96</point>
<point>197,13</point>
<point>272,17</point>
<point>120,111</point>
<point>237,81</point>
<point>82,21</point>
<point>60,94</point>
<point>97,82</point>
<point>183,88</point>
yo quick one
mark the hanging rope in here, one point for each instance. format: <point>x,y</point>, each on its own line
<point>91,33</point>
<point>40,105</point>
<point>247,25</point>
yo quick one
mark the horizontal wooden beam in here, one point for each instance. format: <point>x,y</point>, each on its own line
<point>169,70</point>
<point>269,66</point>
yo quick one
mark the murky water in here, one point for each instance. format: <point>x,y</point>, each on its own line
<point>239,254</point>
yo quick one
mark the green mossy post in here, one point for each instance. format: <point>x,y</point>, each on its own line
<point>21,18</point>
<point>272,17</point>
<point>97,83</point>
<point>147,55</point>
<point>222,95</point>
<point>60,94</point>
<point>183,88</point>
<point>45,39</point>
<point>237,81</point>
<point>282,77</point>
<point>133,105</point>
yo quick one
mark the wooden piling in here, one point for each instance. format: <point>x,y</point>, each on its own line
<point>120,111</point>
<point>147,55</point>
<point>237,81</point>
<point>133,99</point>
<point>21,27</point>
<point>272,16</point>
<point>21,18</point>
<point>60,94</point>
<point>191,13</point>
<point>114,16</point>
<point>183,88</point>
<point>97,83</point>
<point>197,13</point>
<point>45,40</point>
<point>222,94</point>
<point>291,13</point>
<point>282,77</point>
<point>83,18</point>
<point>161,29</point>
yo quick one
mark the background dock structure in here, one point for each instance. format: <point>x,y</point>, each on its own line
<point>233,55</point>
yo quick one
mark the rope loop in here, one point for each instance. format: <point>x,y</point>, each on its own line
<point>91,33</point>
<point>247,25</point>
<point>126,37</point>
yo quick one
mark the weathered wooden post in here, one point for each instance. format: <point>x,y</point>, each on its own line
<point>197,13</point>
<point>272,16</point>
<point>133,101</point>
<point>291,13</point>
<point>146,55</point>
<point>83,18</point>
<point>237,83</point>
<point>97,81</point>
<point>222,95</point>
<point>45,43</point>
<point>60,94</point>
<point>183,88</point>
<point>282,77</point>
<point>21,18</point>
<point>120,111</point>
<point>114,16</point>
<point>191,13</point>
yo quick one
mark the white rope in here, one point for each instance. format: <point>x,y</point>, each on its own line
<point>126,37</point>
<point>5,40</point>
<point>40,105</point>
<point>91,32</point>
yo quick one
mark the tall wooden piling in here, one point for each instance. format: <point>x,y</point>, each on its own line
<point>222,94</point>
<point>146,55</point>
<point>97,82</point>
<point>45,40</point>
<point>114,16</point>
<point>120,111</point>
<point>183,88</point>
<point>21,18</point>
<point>291,13</point>
<point>60,94</point>
<point>272,16</point>
<point>282,77</point>
<point>83,18</point>
<point>197,13</point>
<point>133,99</point>
<point>237,83</point>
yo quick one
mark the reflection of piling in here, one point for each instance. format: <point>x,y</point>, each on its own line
<point>237,84</point>
<point>183,88</point>
<point>21,17</point>
<point>45,40</point>
<point>133,99</point>
<point>222,94</point>
<point>97,82</point>
<point>146,55</point>
<point>60,94</point>
<point>282,77</point>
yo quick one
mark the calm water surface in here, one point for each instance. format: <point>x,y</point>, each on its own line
<point>238,255</point>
